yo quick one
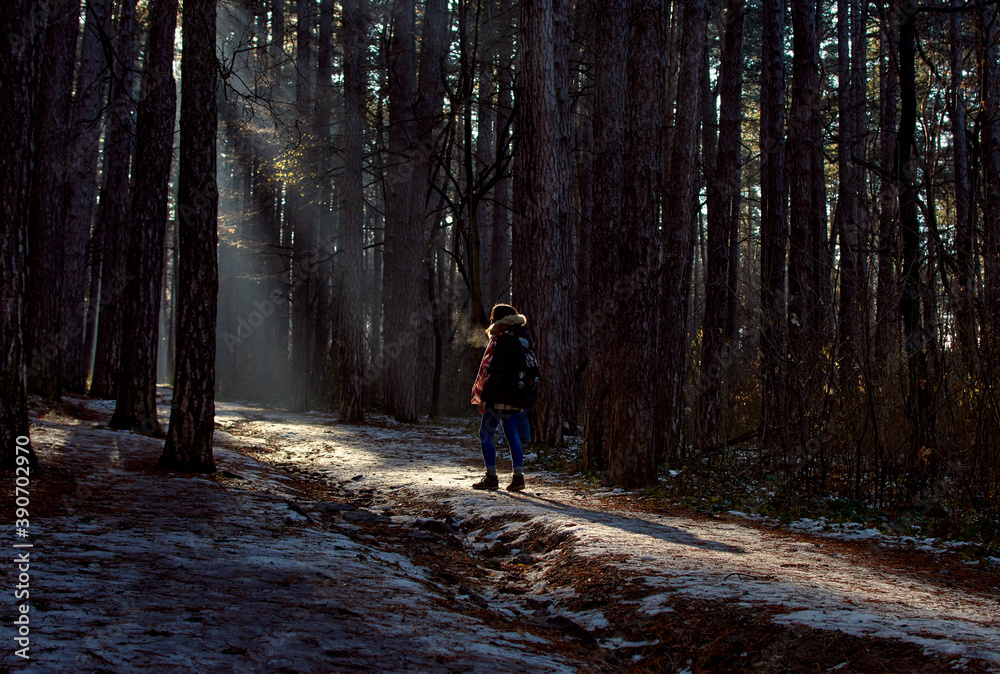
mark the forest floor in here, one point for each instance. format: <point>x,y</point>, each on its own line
<point>323,547</point>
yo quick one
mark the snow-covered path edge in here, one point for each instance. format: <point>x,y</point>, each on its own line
<point>134,569</point>
<point>709,560</point>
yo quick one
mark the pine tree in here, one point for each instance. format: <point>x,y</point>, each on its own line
<point>136,400</point>
<point>609,176</point>
<point>351,355</point>
<point>631,450</point>
<point>192,414</point>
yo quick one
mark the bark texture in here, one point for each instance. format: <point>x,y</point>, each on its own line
<point>886,297</point>
<point>807,305</point>
<point>919,412</point>
<point>136,401</point>
<point>192,413</point>
<point>81,190</point>
<point>542,252</point>
<point>723,222</point>
<point>351,354</point>
<point>114,212</point>
<point>46,243</point>
<point>988,33</point>
<point>632,455</point>
<point>679,217</point>
<point>609,179</point>
<point>21,29</point>
<point>773,220</point>
<point>403,245</point>
<point>964,259</point>
<point>301,212</point>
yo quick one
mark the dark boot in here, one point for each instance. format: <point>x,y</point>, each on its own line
<point>516,483</point>
<point>489,482</point>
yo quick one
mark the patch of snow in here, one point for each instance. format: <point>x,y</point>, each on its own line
<point>588,620</point>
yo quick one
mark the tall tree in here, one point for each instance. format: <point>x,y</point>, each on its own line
<point>403,236</point>
<point>81,189</point>
<point>500,245</point>
<point>46,248</point>
<point>428,110</point>
<point>918,400</point>
<point>542,230</point>
<point>301,211</point>
<point>964,258</point>
<point>21,28</point>
<point>632,455</point>
<point>886,298</point>
<point>564,417</point>
<point>329,220</point>
<point>807,306</point>
<point>192,412</point>
<point>849,225</point>
<point>351,355</point>
<point>136,400</point>
<point>723,222</point>
<point>773,218</point>
<point>114,212</point>
<point>680,210</point>
<point>609,159</point>
<point>988,33</point>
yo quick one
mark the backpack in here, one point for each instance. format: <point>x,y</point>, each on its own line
<point>528,373</point>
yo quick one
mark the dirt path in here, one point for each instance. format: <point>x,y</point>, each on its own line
<point>934,610</point>
<point>323,547</point>
<point>134,569</point>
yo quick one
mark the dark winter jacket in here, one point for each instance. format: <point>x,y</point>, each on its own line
<point>502,381</point>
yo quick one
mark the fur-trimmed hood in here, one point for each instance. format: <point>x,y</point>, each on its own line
<point>507,323</point>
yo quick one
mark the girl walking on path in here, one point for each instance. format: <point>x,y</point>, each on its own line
<point>500,393</point>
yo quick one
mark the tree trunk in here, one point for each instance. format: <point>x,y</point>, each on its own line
<point>918,390</point>
<point>582,200</point>
<point>564,417</point>
<point>402,248</point>
<point>429,107</point>
<point>773,221</point>
<point>542,253</point>
<point>44,341</point>
<point>301,212</point>
<point>22,24</point>
<point>328,290</point>
<point>485,152</point>
<point>609,181</point>
<point>352,320</point>
<point>136,403</point>
<point>989,142</point>
<point>965,275</point>
<point>723,220</point>
<point>81,191</point>
<point>500,246</point>
<point>192,413</point>
<point>631,437</point>
<point>806,308</point>
<point>848,213</point>
<point>886,298</point>
<point>114,212</point>
<point>679,218</point>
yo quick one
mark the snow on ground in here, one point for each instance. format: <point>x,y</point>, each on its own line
<point>708,560</point>
<point>137,569</point>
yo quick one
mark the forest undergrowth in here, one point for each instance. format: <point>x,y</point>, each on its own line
<point>749,481</point>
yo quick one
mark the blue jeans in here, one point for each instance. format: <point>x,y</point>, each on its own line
<point>493,418</point>
<point>523,429</point>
